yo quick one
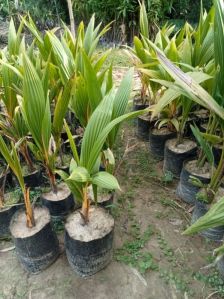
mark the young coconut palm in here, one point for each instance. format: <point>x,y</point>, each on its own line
<point>89,81</point>
<point>12,124</point>
<point>92,81</point>
<point>33,249</point>
<point>74,60</point>
<point>12,160</point>
<point>36,112</point>
<point>144,58</point>
<point>35,107</point>
<point>100,131</point>
<point>82,242</point>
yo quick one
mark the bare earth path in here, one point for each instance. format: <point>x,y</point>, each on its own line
<point>152,259</point>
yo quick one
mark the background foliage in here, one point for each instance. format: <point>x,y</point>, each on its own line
<point>124,12</point>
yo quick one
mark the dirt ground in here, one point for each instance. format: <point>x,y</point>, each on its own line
<point>152,260</point>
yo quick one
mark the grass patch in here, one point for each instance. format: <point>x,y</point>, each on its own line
<point>117,56</point>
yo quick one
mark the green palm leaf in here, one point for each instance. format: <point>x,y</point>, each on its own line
<point>105,180</point>
<point>13,161</point>
<point>35,107</point>
<point>188,86</point>
<point>213,218</point>
<point>120,103</point>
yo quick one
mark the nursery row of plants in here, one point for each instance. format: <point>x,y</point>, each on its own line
<point>182,83</point>
<point>60,117</point>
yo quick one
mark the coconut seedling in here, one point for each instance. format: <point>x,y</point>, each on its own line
<point>196,173</point>
<point>29,228</point>
<point>14,163</point>
<point>12,124</point>
<point>143,58</point>
<point>165,128</point>
<point>212,221</point>
<point>8,205</point>
<point>83,229</point>
<point>211,190</point>
<point>75,61</point>
<point>91,81</point>
<point>173,110</point>
<point>35,108</point>
<point>145,61</point>
<point>15,130</point>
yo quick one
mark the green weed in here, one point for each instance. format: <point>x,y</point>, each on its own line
<point>132,252</point>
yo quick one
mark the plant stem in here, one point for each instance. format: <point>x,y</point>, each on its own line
<point>61,157</point>
<point>201,159</point>
<point>212,125</point>
<point>216,178</point>
<point>179,138</point>
<point>2,189</point>
<point>26,155</point>
<point>16,4</point>
<point>71,17</point>
<point>180,134</point>
<point>30,222</point>
<point>85,206</point>
<point>52,180</point>
<point>2,198</point>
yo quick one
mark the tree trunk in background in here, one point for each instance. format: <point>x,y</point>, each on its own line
<point>16,3</point>
<point>71,17</point>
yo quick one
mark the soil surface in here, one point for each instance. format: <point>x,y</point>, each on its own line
<point>104,197</point>
<point>18,225</point>
<point>145,117</point>
<point>220,194</point>
<point>11,198</point>
<point>204,171</point>
<point>183,147</point>
<point>62,193</point>
<point>152,259</point>
<point>3,33</point>
<point>100,224</point>
<point>202,114</point>
<point>162,131</point>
